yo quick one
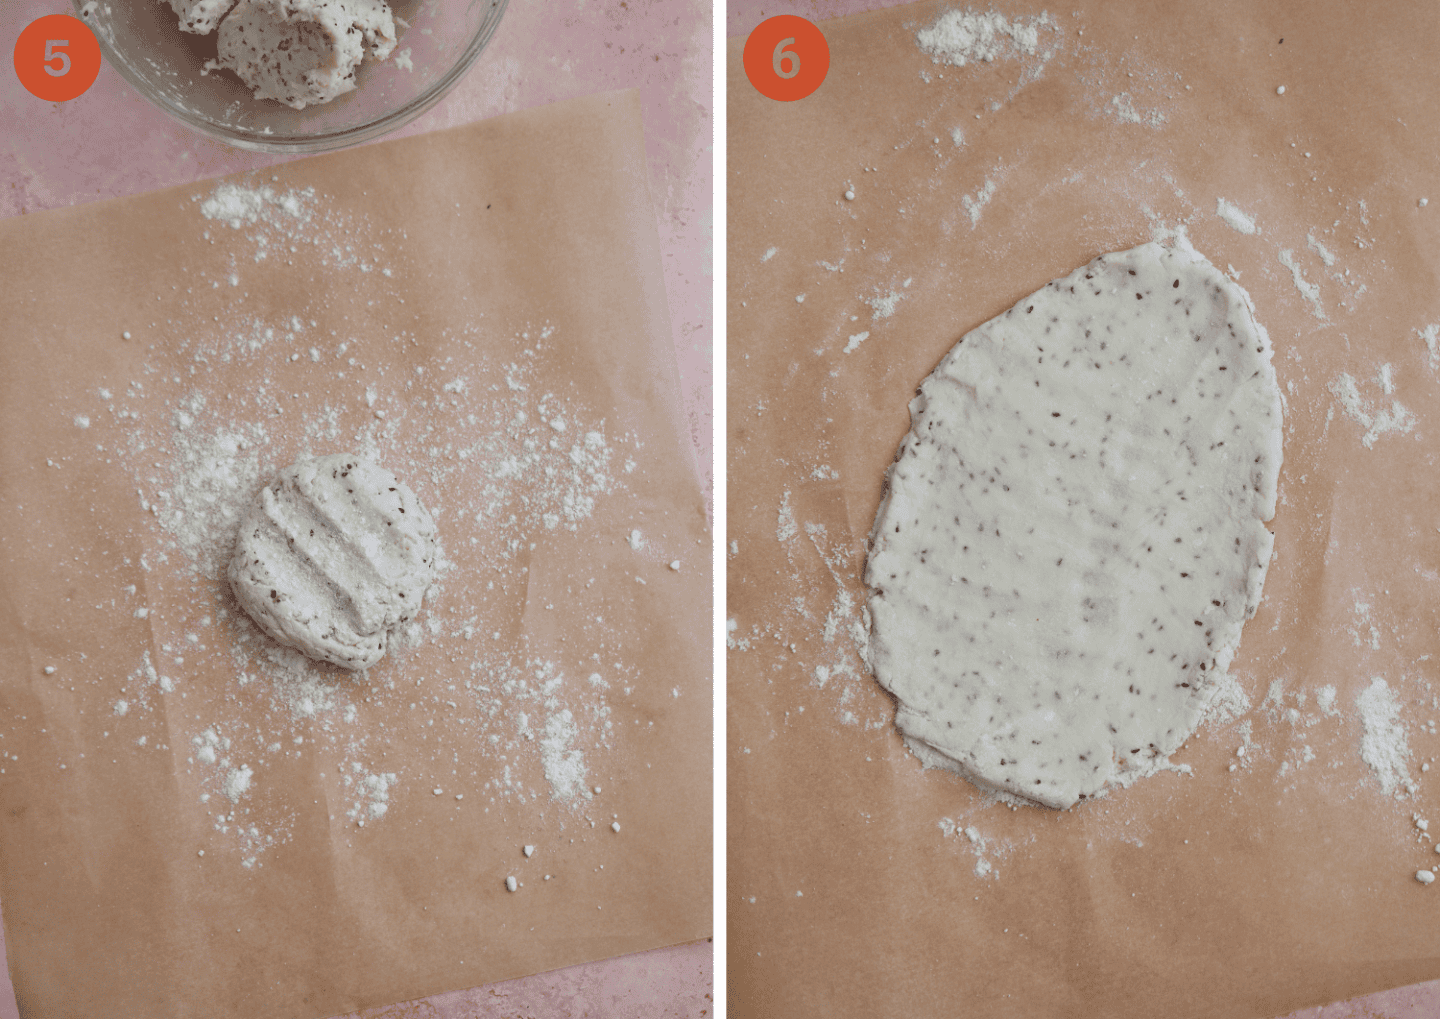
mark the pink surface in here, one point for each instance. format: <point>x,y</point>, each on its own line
<point>111,142</point>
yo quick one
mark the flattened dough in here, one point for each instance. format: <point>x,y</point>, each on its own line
<point>1072,535</point>
<point>334,554</point>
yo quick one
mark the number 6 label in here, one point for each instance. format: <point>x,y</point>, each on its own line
<point>57,58</point>
<point>786,58</point>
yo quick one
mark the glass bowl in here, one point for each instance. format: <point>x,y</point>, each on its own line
<point>142,40</point>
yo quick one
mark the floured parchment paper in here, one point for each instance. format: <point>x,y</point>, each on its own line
<point>956,159</point>
<point>197,822</point>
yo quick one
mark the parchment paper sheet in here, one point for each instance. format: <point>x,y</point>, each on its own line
<point>853,887</point>
<point>518,250</point>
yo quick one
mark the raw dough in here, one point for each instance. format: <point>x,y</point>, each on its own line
<point>200,16</point>
<point>302,52</point>
<point>1071,537</point>
<point>334,553</point>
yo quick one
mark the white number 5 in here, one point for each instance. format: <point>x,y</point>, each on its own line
<point>780,55</point>
<point>50,55</point>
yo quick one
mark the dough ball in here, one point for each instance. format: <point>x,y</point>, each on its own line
<point>301,52</point>
<point>1072,534</point>
<point>200,16</point>
<point>333,554</point>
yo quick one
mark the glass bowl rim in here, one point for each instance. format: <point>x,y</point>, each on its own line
<point>321,141</point>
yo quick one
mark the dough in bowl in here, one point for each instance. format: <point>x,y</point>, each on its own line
<point>334,553</point>
<point>303,52</point>
<point>1072,533</point>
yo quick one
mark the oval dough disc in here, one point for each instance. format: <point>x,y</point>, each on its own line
<point>1072,533</point>
<point>332,555</point>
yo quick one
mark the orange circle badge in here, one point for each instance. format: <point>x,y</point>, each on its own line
<point>786,58</point>
<point>57,57</point>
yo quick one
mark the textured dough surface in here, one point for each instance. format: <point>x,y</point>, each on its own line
<point>333,554</point>
<point>302,52</point>
<point>1072,533</point>
<point>200,16</point>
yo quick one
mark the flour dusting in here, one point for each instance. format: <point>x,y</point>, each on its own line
<point>1376,421</point>
<point>975,204</point>
<point>499,458</point>
<point>1430,336</point>
<point>1384,745</point>
<point>1314,245</point>
<point>1235,218</point>
<point>962,36</point>
<point>1309,291</point>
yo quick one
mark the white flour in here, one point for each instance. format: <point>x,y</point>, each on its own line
<point>1123,107</point>
<point>785,528</point>
<point>1376,421</point>
<point>960,37</point>
<point>1309,291</point>
<point>1430,336</point>
<point>280,223</point>
<point>975,204</point>
<point>883,306</point>
<point>1384,746</point>
<point>243,206</point>
<point>1235,218</point>
<point>1314,245</point>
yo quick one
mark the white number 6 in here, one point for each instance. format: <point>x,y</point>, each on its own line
<point>781,54</point>
<point>50,55</point>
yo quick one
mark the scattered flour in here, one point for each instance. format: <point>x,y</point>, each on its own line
<point>243,206</point>
<point>1122,107</point>
<point>975,204</point>
<point>1385,376</point>
<point>502,459</point>
<point>1364,632</point>
<point>1319,249</point>
<point>1384,746</point>
<point>1430,336</point>
<point>961,36</point>
<point>564,764</point>
<point>983,848</point>
<point>1228,702</point>
<point>785,528</point>
<point>855,342</point>
<point>884,306</point>
<point>1376,422</point>
<point>1235,218</point>
<point>1308,290</point>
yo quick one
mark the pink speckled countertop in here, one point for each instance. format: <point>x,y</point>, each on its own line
<point>110,142</point>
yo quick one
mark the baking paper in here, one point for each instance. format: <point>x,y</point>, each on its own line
<point>1279,872</point>
<point>196,823</point>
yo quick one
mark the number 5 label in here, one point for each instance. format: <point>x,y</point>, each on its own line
<point>786,58</point>
<point>51,45</point>
<point>57,57</point>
